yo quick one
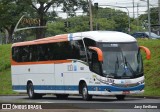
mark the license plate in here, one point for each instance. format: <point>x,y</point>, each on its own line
<point>126,92</point>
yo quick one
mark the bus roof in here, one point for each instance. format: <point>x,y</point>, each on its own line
<point>104,36</point>
<point>98,36</point>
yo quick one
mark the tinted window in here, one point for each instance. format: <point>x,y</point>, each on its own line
<point>78,50</point>
<point>51,51</point>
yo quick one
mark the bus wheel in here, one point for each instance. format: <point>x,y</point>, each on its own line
<point>85,94</point>
<point>120,97</point>
<point>31,93</point>
<point>62,96</point>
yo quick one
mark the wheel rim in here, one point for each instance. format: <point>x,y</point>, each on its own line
<point>85,92</point>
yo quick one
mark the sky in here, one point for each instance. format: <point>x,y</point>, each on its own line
<point>142,6</point>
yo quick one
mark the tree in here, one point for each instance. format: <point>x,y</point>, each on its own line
<point>104,24</point>
<point>154,17</point>
<point>41,7</point>
<point>55,28</point>
<point>117,18</point>
<point>10,12</point>
<point>69,6</point>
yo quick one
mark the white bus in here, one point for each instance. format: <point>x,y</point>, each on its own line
<point>86,63</point>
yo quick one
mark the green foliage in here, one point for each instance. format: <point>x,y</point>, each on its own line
<point>151,67</point>
<point>6,83</point>
<point>55,28</point>
<point>11,11</point>
<point>105,24</point>
<point>78,24</point>
<point>154,17</point>
<point>117,19</point>
<point>70,6</point>
<point>136,28</point>
<point>5,72</point>
<point>153,14</point>
<point>5,51</point>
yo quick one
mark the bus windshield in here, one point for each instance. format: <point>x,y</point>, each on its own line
<point>121,61</point>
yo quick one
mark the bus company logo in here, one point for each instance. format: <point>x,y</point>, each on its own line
<point>6,106</point>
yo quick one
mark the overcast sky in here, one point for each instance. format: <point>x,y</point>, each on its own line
<point>142,5</point>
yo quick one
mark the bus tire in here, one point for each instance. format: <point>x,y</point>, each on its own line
<point>31,93</point>
<point>84,92</point>
<point>120,97</point>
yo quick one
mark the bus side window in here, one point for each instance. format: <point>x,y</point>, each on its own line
<point>82,51</point>
<point>41,53</point>
<point>78,50</point>
<point>33,56</point>
<point>75,50</point>
<point>15,54</point>
<point>23,54</point>
<point>94,64</point>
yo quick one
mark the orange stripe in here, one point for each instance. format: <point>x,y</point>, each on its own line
<point>40,62</point>
<point>58,38</point>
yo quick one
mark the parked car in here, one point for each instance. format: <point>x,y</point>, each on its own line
<point>145,35</point>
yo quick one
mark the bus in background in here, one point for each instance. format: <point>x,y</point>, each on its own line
<point>86,63</point>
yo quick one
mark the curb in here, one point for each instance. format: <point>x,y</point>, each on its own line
<point>149,97</point>
<point>22,94</point>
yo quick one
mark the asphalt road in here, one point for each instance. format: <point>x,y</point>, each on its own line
<point>106,104</point>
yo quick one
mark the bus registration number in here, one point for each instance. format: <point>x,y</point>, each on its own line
<point>126,92</point>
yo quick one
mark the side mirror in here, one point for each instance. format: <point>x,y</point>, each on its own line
<point>147,51</point>
<point>99,52</point>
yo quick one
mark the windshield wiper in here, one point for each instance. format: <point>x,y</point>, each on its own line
<point>112,75</point>
<point>116,65</point>
<point>129,66</point>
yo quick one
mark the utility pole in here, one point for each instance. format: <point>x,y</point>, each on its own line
<point>137,17</point>
<point>149,19</point>
<point>133,9</point>
<point>90,16</point>
<point>159,16</point>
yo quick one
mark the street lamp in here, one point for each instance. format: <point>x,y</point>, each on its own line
<point>149,17</point>
<point>127,11</point>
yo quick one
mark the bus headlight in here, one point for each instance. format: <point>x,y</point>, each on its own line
<point>141,82</point>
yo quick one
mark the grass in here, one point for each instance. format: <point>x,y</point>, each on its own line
<point>5,71</point>
<point>151,68</point>
<point>5,52</point>
<point>5,82</point>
